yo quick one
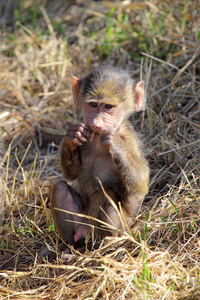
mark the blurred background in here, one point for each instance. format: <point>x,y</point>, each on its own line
<point>42,45</point>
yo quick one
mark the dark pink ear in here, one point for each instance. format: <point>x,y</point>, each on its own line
<point>75,89</point>
<point>139,95</point>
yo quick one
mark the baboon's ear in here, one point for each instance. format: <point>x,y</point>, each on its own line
<point>75,89</point>
<point>138,95</point>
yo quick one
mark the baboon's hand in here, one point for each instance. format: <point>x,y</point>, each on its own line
<point>77,134</point>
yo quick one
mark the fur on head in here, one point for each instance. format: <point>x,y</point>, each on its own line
<point>108,85</point>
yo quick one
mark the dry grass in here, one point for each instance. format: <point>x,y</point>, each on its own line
<point>160,257</point>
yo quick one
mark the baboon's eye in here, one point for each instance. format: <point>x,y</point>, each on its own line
<point>93,104</point>
<point>109,106</point>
